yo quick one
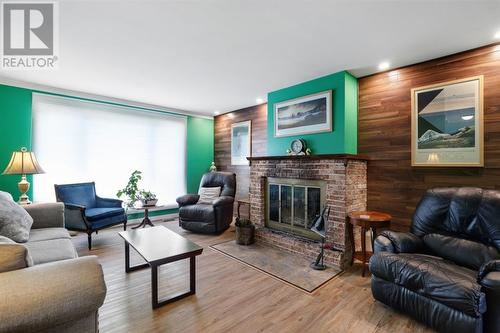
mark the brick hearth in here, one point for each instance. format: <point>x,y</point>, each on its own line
<point>345,177</point>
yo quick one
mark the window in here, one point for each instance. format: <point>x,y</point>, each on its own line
<point>80,141</point>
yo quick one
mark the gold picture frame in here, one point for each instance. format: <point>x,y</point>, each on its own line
<point>447,124</point>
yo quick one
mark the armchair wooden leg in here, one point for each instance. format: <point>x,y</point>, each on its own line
<point>89,239</point>
<point>125,226</point>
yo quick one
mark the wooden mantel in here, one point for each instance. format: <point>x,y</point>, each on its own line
<point>311,157</point>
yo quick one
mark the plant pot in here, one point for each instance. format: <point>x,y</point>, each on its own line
<point>149,203</point>
<point>245,233</point>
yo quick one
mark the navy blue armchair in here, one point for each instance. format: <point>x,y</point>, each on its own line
<point>85,211</point>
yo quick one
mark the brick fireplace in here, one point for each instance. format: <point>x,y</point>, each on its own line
<point>344,178</point>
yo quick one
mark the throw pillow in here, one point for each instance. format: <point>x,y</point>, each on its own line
<point>15,222</point>
<point>208,195</point>
<point>6,195</point>
<point>13,256</point>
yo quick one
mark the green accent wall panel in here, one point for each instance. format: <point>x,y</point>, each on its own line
<point>343,138</point>
<point>199,150</point>
<point>15,131</point>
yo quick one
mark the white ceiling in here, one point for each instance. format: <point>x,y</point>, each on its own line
<point>207,55</point>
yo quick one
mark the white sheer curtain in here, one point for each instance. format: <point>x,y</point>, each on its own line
<point>80,141</point>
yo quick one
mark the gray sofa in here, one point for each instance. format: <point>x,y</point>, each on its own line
<point>44,286</point>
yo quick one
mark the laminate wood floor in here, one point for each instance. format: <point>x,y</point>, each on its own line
<point>232,297</point>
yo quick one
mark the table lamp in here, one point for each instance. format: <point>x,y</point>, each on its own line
<point>23,163</point>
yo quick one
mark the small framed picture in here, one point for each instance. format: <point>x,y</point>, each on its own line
<point>304,115</point>
<point>241,142</point>
<point>447,124</point>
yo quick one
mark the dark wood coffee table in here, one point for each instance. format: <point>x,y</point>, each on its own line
<point>158,246</point>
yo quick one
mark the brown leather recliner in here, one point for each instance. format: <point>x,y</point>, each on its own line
<point>214,218</point>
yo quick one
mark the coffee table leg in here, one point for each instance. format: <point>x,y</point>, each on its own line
<point>129,268</point>
<point>192,274</point>
<point>154,286</point>
<point>127,257</point>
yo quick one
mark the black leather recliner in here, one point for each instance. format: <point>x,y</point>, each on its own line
<point>214,218</point>
<point>446,271</point>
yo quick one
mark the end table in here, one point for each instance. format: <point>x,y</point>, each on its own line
<point>367,220</point>
<point>146,220</point>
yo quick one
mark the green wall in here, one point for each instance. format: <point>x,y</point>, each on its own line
<point>343,138</point>
<point>199,150</point>
<point>15,132</point>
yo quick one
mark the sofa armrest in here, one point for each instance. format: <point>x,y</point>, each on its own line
<point>223,200</point>
<point>75,217</point>
<point>187,199</point>
<point>46,215</point>
<point>397,242</point>
<point>42,296</point>
<point>108,202</point>
<point>487,268</point>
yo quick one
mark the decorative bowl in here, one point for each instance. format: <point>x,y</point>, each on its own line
<point>149,202</point>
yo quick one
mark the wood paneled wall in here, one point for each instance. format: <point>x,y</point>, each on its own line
<point>394,186</point>
<point>222,144</point>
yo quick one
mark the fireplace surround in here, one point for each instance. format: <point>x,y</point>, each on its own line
<point>343,178</point>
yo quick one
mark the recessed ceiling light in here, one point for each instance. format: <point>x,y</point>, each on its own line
<point>497,35</point>
<point>216,113</point>
<point>259,100</point>
<point>383,66</point>
<point>467,117</point>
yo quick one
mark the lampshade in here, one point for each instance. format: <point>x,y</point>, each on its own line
<point>23,163</point>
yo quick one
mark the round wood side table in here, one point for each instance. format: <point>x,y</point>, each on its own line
<point>367,220</point>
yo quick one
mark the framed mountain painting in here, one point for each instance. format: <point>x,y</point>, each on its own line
<point>447,124</point>
<point>304,115</point>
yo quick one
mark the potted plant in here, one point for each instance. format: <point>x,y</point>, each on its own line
<point>147,198</point>
<point>245,231</point>
<point>131,191</point>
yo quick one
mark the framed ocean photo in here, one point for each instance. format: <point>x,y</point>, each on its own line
<point>304,115</point>
<point>241,142</point>
<point>447,124</point>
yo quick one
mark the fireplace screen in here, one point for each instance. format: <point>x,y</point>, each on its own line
<point>293,204</point>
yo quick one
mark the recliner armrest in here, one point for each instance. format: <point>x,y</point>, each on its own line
<point>486,268</point>
<point>187,199</point>
<point>108,202</point>
<point>397,242</point>
<point>223,200</point>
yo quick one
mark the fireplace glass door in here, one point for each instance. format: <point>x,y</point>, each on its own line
<point>293,204</point>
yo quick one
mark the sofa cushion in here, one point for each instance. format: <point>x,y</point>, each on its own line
<point>198,212</point>
<point>208,195</point>
<point>51,250</point>
<point>461,251</point>
<point>93,214</point>
<point>15,222</point>
<point>432,277</point>
<point>43,234</point>
<point>13,256</point>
